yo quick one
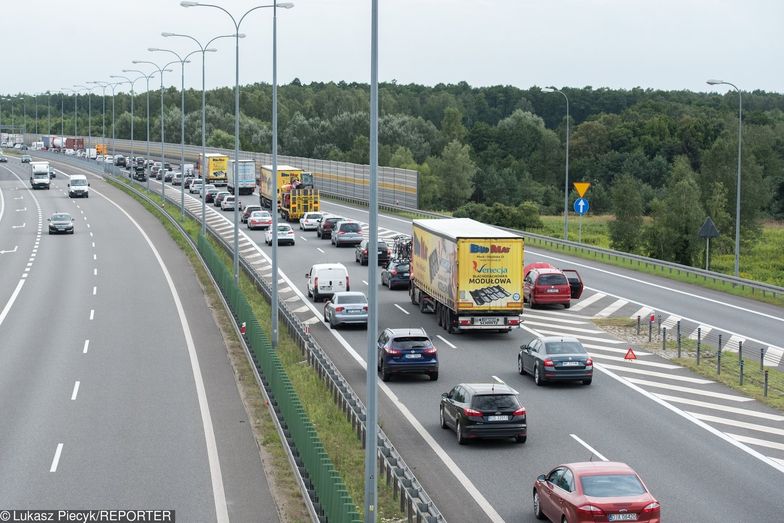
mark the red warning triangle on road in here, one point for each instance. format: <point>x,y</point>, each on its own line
<point>630,355</point>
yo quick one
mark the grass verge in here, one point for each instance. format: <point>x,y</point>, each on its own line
<point>335,431</point>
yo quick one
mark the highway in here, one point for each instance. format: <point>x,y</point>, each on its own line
<point>705,452</point>
<point>115,388</point>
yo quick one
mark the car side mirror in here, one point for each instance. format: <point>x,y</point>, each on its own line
<point>72,219</point>
<point>307,275</point>
<point>48,219</point>
<point>69,185</point>
<point>541,477</point>
<point>88,184</point>
<point>444,394</point>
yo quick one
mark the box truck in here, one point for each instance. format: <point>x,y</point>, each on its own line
<point>213,168</point>
<point>468,273</point>
<point>245,176</point>
<point>39,175</point>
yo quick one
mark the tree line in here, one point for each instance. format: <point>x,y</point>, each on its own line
<point>661,161</point>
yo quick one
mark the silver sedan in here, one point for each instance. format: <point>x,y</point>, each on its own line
<point>346,308</point>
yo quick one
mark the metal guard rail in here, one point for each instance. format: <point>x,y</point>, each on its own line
<point>764,288</point>
<point>414,501</point>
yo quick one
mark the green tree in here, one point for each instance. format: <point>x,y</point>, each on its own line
<point>221,139</point>
<point>626,229</point>
<point>455,169</point>
<point>452,125</point>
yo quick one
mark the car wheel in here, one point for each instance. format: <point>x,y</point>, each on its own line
<point>385,375</point>
<point>316,297</point>
<point>331,323</point>
<point>538,506</point>
<point>588,381</point>
<point>309,293</point>
<point>520,368</point>
<point>521,439</point>
<point>459,432</point>
<point>567,304</point>
<point>537,377</point>
<point>441,418</point>
<point>364,261</point>
<point>433,376</point>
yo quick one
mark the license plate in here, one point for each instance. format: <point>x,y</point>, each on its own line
<point>498,418</point>
<point>571,363</point>
<point>354,311</point>
<point>413,356</point>
<point>622,517</point>
<point>488,321</point>
<point>552,291</point>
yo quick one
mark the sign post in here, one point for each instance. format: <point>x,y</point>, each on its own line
<point>708,231</point>
<point>581,205</point>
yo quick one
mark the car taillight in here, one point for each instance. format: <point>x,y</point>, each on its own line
<point>364,251</point>
<point>315,282</point>
<point>513,321</point>
<point>365,308</point>
<point>590,511</point>
<point>430,351</point>
<point>519,412</point>
<point>549,363</point>
<point>589,362</point>
<point>651,508</point>
<point>393,272</point>
<point>341,233</point>
<point>339,309</point>
<point>465,321</point>
<point>391,351</point>
<point>471,412</point>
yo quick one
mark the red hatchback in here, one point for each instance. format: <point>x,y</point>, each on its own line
<point>594,491</point>
<point>548,285</point>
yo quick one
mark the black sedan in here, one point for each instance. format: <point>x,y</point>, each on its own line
<point>555,358</point>
<point>61,222</point>
<point>397,273</point>
<point>483,410</point>
<point>361,254</point>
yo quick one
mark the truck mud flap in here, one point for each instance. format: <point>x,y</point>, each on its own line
<point>488,294</point>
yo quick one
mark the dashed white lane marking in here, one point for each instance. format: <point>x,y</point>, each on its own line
<point>445,341</point>
<point>56,459</point>
<point>86,346</point>
<point>499,380</point>
<point>689,390</point>
<point>363,281</point>
<point>718,406</point>
<point>319,249</point>
<point>95,272</point>
<point>303,238</point>
<point>564,327</point>
<point>587,446</point>
<point>773,357</point>
<point>75,391</point>
<point>95,290</point>
<point>18,226</point>
<point>756,441</point>
<point>641,363</point>
<point>95,256</point>
<point>610,309</point>
<point>676,377</point>
<point>93,245</point>
<point>92,314</point>
<point>738,424</point>
<point>588,301</point>
<point>402,309</point>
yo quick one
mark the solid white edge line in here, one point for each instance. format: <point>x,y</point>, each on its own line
<point>75,390</point>
<point>2,203</point>
<point>402,309</point>
<point>590,448</point>
<point>218,492</point>
<point>445,341</point>
<point>56,459</point>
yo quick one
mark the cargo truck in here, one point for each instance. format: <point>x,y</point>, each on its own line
<point>213,168</point>
<point>245,176</point>
<point>286,176</point>
<point>101,148</point>
<point>39,175</point>
<point>468,273</point>
<point>294,203</point>
<point>74,143</point>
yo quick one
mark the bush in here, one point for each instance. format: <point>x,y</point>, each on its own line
<point>524,216</point>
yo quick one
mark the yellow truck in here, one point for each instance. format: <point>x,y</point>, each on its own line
<point>286,176</point>
<point>101,148</point>
<point>294,203</point>
<point>469,274</point>
<point>213,168</point>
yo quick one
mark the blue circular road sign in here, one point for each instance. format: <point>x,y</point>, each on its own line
<point>581,206</point>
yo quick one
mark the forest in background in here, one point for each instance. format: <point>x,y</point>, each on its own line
<point>660,161</point>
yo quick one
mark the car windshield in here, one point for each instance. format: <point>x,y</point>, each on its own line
<point>611,485</point>
<point>350,227</point>
<point>494,402</point>
<point>313,216</point>
<point>564,347</point>
<point>78,183</point>
<point>352,299</point>
<point>552,279</point>
<point>403,267</point>
<point>284,228</point>
<point>258,214</point>
<point>411,342</point>
<point>61,217</point>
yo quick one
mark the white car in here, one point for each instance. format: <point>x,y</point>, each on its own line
<point>285,234</point>
<point>310,221</point>
<point>108,159</point>
<point>99,158</point>
<point>228,203</point>
<point>196,185</point>
<point>70,152</point>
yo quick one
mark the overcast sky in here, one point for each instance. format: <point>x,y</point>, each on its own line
<point>660,44</point>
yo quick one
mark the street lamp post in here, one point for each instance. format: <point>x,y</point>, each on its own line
<point>35,101</point>
<point>76,94</point>
<point>132,82</point>
<point>566,178</point>
<point>89,112</point>
<point>103,86</point>
<point>163,152</point>
<point>147,78</point>
<point>204,49</point>
<point>62,115</point>
<point>737,195</point>
<point>286,5</point>
<point>182,62</point>
<point>48,113</point>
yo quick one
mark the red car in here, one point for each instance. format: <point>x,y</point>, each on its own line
<point>594,491</point>
<point>548,285</point>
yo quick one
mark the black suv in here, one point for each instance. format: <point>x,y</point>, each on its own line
<point>361,254</point>
<point>324,230</point>
<point>120,161</point>
<point>483,410</point>
<point>406,351</point>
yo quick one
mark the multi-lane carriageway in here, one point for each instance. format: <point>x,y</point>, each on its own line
<point>707,453</point>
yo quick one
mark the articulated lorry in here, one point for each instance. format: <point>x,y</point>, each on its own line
<point>213,168</point>
<point>245,176</point>
<point>39,175</point>
<point>468,273</point>
<point>287,175</point>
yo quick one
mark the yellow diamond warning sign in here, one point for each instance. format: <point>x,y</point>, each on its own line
<point>581,187</point>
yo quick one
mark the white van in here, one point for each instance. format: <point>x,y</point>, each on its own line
<point>325,279</point>
<point>78,186</point>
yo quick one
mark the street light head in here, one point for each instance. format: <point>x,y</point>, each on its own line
<point>550,89</point>
<point>241,35</point>
<point>153,49</point>
<point>189,4</point>
<point>166,35</point>
<point>168,70</point>
<point>210,50</point>
<point>286,5</point>
<point>715,82</point>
